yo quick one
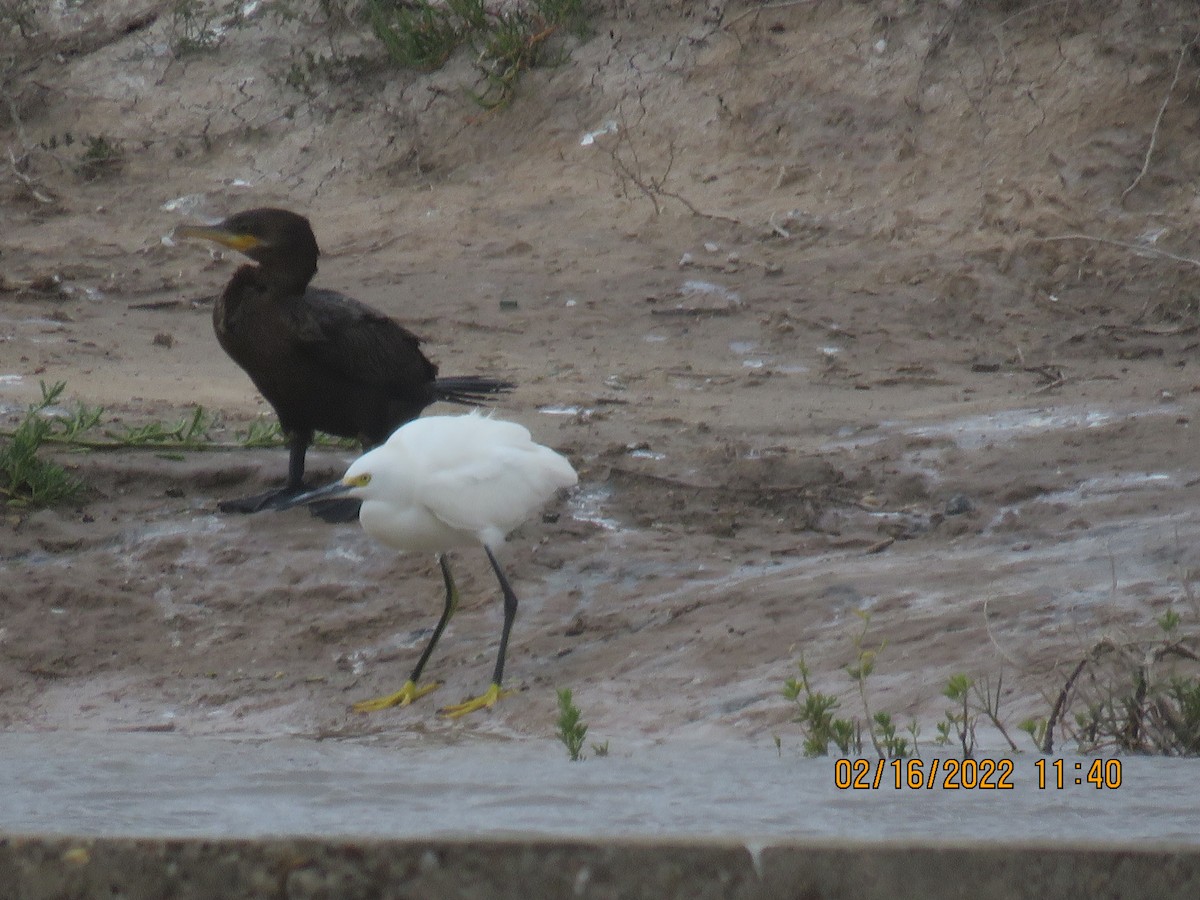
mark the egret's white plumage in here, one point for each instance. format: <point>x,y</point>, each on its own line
<point>450,481</point>
<point>443,482</point>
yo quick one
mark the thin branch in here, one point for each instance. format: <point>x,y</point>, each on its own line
<point>168,446</point>
<point>35,190</point>
<point>991,708</point>
<point>757,9</point>
<point>1162,109</point>
<point>1105,646</point>
<point>1139,248</point>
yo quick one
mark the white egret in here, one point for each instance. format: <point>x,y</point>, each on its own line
<point>447,481</point>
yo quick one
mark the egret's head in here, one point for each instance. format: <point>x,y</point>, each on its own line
<point>355,483</point>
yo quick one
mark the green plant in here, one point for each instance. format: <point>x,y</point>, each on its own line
<point>26,479</point>
<point>190,432</point>
<point>192,28</point>
<point>507,41</point>
<point>1035,727</point>
<point>571,728</point>
<point>860,670</point>
<point>892,745</point>
<point>101,157</point>
<point>1138,696</point>
<point>19,14</point>
<point>518,40</point>
<point>423,35</point>
<point>959,722</point>
<point>815,715</point>
<point>816,711</point>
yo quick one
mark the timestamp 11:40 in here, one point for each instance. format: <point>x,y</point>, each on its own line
<point>1100,773</point>
<point>971,774</point>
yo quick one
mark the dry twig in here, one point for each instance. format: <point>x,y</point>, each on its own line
<point>36,191</point>
<point>1183,51</point>
<point>1138,248</point>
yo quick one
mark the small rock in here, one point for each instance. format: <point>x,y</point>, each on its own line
<point>164,339</point>
<point>958,505</point>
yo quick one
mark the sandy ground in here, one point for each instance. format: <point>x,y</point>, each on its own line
<point>850,311</point>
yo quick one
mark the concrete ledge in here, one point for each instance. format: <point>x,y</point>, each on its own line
<point>32,868</point>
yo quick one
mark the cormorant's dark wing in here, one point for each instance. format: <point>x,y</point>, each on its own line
<point>350,338</point>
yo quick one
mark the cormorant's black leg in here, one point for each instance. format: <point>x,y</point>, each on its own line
<point>297,448</point>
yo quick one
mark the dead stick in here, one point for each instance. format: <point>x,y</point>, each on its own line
<point>1158,120</point>
<point>1139,248</point>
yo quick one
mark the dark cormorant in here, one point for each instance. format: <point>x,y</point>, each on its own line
<point>324,361</point>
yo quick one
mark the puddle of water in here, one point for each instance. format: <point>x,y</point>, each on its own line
<point>187,204</point>
<point>200,525</point>
<point>588,505</point>
<point>1093,490</point>
<point>609,127</point>
<point>40,321</point>
<point>179,786</point>
<point>695,288</point>
<point>347,553</point>
<point>976,432</point>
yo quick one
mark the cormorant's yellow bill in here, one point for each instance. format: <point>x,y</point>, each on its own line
<point>231,239</point>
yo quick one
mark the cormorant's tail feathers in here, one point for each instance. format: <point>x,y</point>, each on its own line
<point>470,390</point>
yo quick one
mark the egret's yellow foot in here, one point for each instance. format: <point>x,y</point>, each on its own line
<point>486,700</point>
<point>402,697</point>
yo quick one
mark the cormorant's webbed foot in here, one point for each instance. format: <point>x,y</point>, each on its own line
<point>259,502</point>
<point>335,510</point>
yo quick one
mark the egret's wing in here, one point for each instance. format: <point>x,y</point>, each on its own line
<point>493,495</point>
<point>358,342</point>
<point>476,496</point>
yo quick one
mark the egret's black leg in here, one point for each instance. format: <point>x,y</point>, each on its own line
<point>412,689</point>
<point>510,613</point>
<point>489,697</point>
<point>447,611</point>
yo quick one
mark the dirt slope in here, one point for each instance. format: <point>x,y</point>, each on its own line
<point>835,273</point>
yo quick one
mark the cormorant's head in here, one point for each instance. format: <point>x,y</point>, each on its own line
<point>281,242</point>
